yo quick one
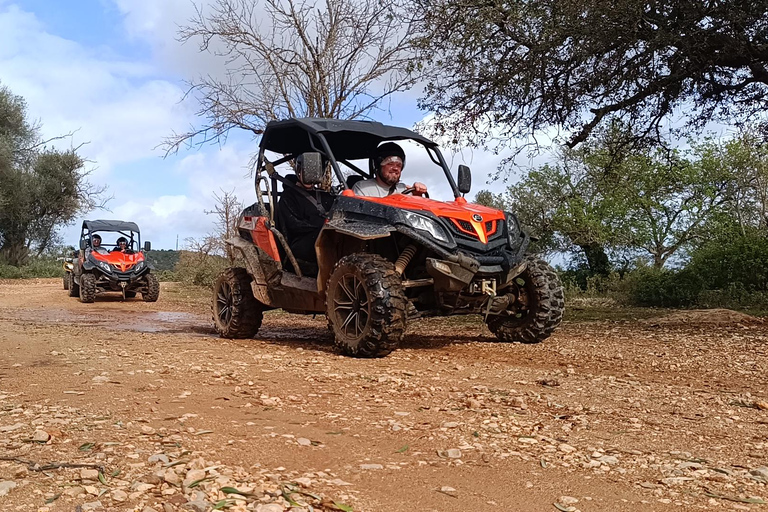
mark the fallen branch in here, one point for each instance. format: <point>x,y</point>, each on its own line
<point>34,466</point>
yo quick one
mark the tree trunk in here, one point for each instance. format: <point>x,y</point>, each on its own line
<point>597,259</point>
<point>14,253</point>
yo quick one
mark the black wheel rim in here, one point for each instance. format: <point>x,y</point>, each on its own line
<point>224,303</point>
<point>351,306</point>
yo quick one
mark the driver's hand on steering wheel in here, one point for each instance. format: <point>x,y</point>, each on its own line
<point>419,189</point>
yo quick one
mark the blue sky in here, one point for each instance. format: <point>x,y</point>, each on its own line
<point>113,72</point>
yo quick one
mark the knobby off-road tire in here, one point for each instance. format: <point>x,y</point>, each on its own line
<point>236,312</point>
<point>365,303</point>
<point>74,288</point>
<point>65,281</point>
<point>87,288</point>
<point>153,289</point>
<point>546,304</point>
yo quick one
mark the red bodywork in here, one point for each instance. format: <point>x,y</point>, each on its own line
<point>261,235</point>
<point>459,212</point>
<point>122,261</point>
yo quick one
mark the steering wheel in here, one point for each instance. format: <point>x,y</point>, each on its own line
<point>411,190</point>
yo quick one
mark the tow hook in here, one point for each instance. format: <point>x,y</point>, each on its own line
<point>486,287</point>
<point>122,285</point>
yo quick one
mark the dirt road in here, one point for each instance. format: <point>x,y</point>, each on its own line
<point>164,416</point>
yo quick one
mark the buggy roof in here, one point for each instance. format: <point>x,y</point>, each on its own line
<point>109,225</point>
<point>348,140</point>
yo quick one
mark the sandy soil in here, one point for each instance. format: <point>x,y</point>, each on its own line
<point>134,406</point>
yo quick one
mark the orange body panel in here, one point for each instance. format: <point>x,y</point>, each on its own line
<point>120,260</point>
<point>264,238</point>
<point>458,212</point>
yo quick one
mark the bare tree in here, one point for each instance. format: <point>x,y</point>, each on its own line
<point>293,58</point>
<point>227,210</point>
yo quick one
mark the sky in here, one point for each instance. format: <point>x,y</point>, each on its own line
<point>113,73</point>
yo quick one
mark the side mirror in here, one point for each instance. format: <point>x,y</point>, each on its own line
<point>147,246</point>
<point>465,179</point>
<point>83,244</point>
<point>311,168</point>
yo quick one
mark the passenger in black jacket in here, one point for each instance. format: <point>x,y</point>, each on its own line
<point>300,216</point>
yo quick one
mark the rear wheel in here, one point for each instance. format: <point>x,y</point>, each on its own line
<point>74,288</point>
<point>65,281</point>
<point>236,312</point>
<point>539,310</point>
<point>87,288</point>
<point>365,305</point>
<point>152,292</point>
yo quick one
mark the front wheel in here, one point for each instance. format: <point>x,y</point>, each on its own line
<point>65,281</point>
<point>365,305</point>
<point>152,292</point>
<point>74,288</point>
<point>539,308</point>
<point>87,288</point>
<point>236,312</point>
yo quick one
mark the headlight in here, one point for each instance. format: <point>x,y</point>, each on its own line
<point>138,266</point>
<point>105,266</point>
<point>423,223</point>
<point>513,230</point>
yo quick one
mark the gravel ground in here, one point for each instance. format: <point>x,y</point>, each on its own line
<point>130,406</point>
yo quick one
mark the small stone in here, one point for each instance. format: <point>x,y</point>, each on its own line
<point>760,473</point>
<point>100,379</point>
<point>450,491</point>
<point>141,487</point>
<point>451,424</point>
<point>194,475</point>
<point>171,477</point>
<point>473,403</point>
<point>566,448</point>
<point>119,495</point>
<point>91,489</point>
<point>453,453</point>
<point>303,441</point>
<point>304,482</point>
<point>158,457</point>
<point>147,430</point>
<point>762,405</point>
<point>6,487</point>
<point>94,505</point>
<point>519,402</point>
<point>73,492</point>
<point>89,474</point>
<point>567,500</point>
<point>11,428</point>
<point>609,459</point>
<point>197,506</point>
<point>148,509</point>
<point>270,507</point>
<point>367,467</point>
<point>41,436</point>
<point>676,480</point>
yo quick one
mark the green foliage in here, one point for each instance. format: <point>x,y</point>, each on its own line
<point>489,199</point>
<point>199,268</point>
<point>511,70</point>
<point>35,268</point>
<point>41,189</point>
<point>660,287</point>
<point>738,263</point>
<point>163,259</point>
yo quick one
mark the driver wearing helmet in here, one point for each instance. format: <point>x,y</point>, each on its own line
<point>96,242</point>
<point>122,245</point>
<point>387,166</point>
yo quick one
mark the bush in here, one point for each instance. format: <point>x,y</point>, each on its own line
<point>199,269</point>
<point>664,288</point>
<point>736,263</point>
<point>37,268</point>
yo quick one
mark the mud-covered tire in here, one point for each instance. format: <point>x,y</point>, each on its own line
<point>65,281</point>
<point>87,288</point>
<point>130,295</point>
<point>152,292</point>
<point>378,312</point>
<point>74,288</point>
<point>236,312</point>
<point>546,305</point>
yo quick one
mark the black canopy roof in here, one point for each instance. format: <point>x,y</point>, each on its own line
<point>109,225</point>
<point>349,140</point>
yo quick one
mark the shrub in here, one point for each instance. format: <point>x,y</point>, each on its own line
<point>664,288</point>
<point>198,268</point>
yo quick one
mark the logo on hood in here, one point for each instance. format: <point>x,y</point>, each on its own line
<point>477,217</point>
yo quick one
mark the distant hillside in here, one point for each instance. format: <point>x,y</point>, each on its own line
<point>164,259</point>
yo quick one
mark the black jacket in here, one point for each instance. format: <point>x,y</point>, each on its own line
<point>300,219</point>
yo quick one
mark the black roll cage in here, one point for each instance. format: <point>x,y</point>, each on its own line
<point>309,126</point>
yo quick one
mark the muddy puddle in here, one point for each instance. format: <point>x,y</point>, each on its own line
<point>139,321</point>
